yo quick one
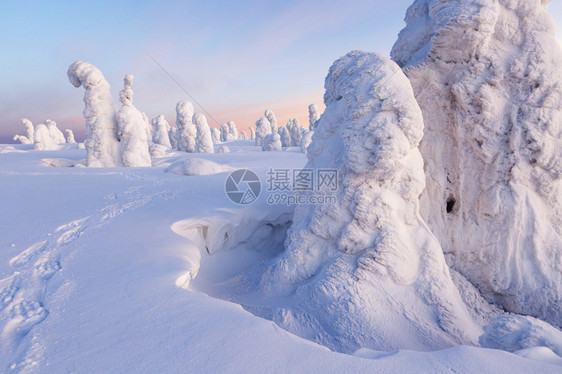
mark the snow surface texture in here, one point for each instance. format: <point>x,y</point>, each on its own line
<point>204,141</point>
<point>186,129</point>
<point>131,128</point>
<point>487,77</point>
<point>366,270</point>
<point>102,142</point>
<point>313,116</point>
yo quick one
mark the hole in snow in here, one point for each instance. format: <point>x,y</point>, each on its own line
<point>450,204</point>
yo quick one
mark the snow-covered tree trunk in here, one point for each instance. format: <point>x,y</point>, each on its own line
<point>204,141</point>
<point>132,129</point>
<point>487,77</point>
<point>365,270</point>
<point>102,142</point>
<point>186,129</point>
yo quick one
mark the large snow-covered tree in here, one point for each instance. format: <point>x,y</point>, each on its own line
<point>42,139</point>
<point>102,143</point>
<point>132,129</point>
<point>487,77</point>
<point>272,120</point>
<point>263,128</point>
<point>186,132</point>
<point>365,270</point>
<point>56,134</point>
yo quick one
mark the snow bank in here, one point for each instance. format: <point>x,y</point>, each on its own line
<point>513,333</point>
<point>366,271</point>
<point>102,143</point>
<point>487,77</point>
<point>131,129</point>
<point>197,166</point>
<point>186,129</point>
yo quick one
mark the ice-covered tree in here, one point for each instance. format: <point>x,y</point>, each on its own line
<point>161,132</point>
<point>70,137</point>
<point>313,116</point>
<point>56,134</point>
<point>263,128</point>
<point>487,77</point>
<point>225,134</point>
<point>272,142</point>
<point>42,139</point>
<point>172,135</point>
<point>272,120</point>
<point>132,129</point>
<point>365,270</point>
<point>216,135</point>
<point>232,130</point>
<point>186,129</point>
<point>252,133</point>
<point>204,141</point>
<point>285,136</point>
<point>243,135</point>
<point>296,132</point>
<point>306,140</point>
<point>29,130</point>
<point>102,143</point>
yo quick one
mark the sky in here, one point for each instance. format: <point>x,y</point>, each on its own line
<point>234,58</point>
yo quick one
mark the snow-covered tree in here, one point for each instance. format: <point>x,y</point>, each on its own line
<point>29,130</point>
<point>487,77</point>
<point>42,139</point>
<point>243,135</point>
<point>263,128</point>
<point>56,134</point>
<point>161,132</point>
<point>204,141</point>
<point>223,149</point>
<point>216,135</point>
<point>306,140</point>
<point>186,129</point>
<point>102,143</point>
<point>148,127</point>
<point>132,129</point>
<point>272,142</point>
<point>313,116</point>
<point>172,135</point>
<point>70,137</point>
<point>272,120</point>
<point>285,136</point>
<point>232,130</point>
<point>252,133</point>
<point>365,270</point>
<point>225,134</point>
<point>296,132</point>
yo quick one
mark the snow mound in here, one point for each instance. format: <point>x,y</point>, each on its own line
<point>514,332</point>
<point>197,166</point>
<point>487,77</point>
<point>366,271</point>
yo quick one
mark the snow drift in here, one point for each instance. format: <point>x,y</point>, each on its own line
<point>366,271</point>
<point>487,77</point>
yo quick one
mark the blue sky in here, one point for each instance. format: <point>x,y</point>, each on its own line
<point>237,58</point>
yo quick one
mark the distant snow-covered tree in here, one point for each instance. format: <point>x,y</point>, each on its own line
<point>252,133</point>
<point>70,137</point>
<point>296,132</point>
<point>42,139</point>
<point>56,134</point>
<point>313,116</point>
<point>29,129</point>
<point>263,128</point>
<point>102,142</point>
<point>232,130</point>
<point>216,135</point>
<point>204,141</point>
<point>186,129</point>
<point>272,142</point>
<point>306,140</point>
<point>132,129</point>
<point>272,120</point>
<point>285,136</point>
<point>172,135</point>
<point>161,132</point>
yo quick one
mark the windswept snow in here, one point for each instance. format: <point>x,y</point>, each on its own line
<point>487,77</point>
